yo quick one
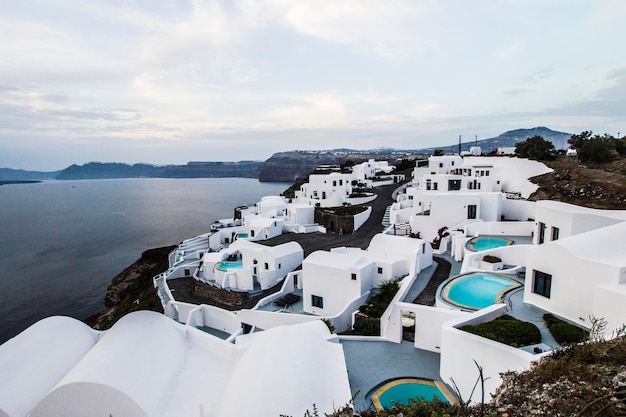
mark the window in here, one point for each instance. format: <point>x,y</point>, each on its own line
<point>187,273</point>
<point>542,283</point>
<point>254,262</point>
<point>555,233</point>
<point>440,164</point>
<point>317,301</point>
<point>471,211</point>
<point>279,265</point>
<point>424,247</point>
<point>542,232</point>
<point>353,276</point>
<point>340,182</point>
<point>334,183</point>
<point>434,186</point>
<point>267,266</point>
<point>380,270</point>
<point>454,184</point>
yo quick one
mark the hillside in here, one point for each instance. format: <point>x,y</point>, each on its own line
<point>281,166</point>
<point>289,166</point>
<point>602,187</point>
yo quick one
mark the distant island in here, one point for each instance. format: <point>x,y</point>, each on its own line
<point>2,182</point>
<point>280,167</point>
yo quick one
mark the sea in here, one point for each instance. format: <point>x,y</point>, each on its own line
<point>62,242</point>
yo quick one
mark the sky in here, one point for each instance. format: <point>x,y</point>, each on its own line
<point>167,82</point>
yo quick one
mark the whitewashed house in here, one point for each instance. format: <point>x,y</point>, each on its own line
<point>327,190</point>
<point>453,192</point>
<point>578,267</point>
<point>248,266</point>
<point>332,280</point>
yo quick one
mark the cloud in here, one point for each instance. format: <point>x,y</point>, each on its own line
<point>387,28</point>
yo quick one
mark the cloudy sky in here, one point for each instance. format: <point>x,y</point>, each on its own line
<point>164,81</point>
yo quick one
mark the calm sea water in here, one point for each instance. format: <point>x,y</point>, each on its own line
<point>61,242</point>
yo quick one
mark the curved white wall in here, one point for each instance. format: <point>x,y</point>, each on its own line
<point>84,399</point>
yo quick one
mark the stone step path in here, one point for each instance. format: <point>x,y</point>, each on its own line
<point>386,223</point>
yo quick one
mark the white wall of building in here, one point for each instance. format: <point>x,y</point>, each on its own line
<point>461,351</point>
<point>500,228</point>
<point>608,304</point>
<point>574,280</point>
<point>520,210</point>
<point>361,218</point>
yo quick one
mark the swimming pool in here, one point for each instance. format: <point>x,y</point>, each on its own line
<point>476,290</point>
<point>400,390</point>
<point>480,243</point>
<point>226,265</point>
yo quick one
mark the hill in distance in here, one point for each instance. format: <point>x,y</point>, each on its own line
<point>280,167</point>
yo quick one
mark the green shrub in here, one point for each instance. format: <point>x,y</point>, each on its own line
<point>367,326</point>
<point>491,259</point>
<point>564,333</point>
<point>550,319</point>
<point>507,330</point>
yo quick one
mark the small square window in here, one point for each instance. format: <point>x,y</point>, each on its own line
<point>317,301</point>
<point>380,270</point>
<point>353,276</point>
<point>542,283</point>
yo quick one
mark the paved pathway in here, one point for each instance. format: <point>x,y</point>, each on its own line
<point>311,242</point>
<point>372,363</point>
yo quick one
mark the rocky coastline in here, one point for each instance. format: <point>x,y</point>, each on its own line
<point>132,289</point>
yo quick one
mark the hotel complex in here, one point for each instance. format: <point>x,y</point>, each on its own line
<point>293,349</point>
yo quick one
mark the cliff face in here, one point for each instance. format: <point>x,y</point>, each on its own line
<point>289,166</point>
<point>132,289</point>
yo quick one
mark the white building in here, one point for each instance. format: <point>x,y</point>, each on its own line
<point>246,266</point>
<point>332,280</point>
<point>578,267</point>
<point>452,192</point>
<point>149,365</point>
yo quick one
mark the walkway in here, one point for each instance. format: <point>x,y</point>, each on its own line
<point>372,363</point>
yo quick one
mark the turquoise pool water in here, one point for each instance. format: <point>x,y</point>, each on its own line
<point>401,390</point>
<point>481,243</point>
<point>243,235</point>
<point>477,290</point>
<point>229,265</point>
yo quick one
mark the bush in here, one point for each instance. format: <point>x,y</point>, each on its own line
<point>367,326</point>
<point>507,330</point>
<point>491,259</point>
<point>564,333</point>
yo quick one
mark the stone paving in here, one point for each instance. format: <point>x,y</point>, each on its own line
<point>371,363</point>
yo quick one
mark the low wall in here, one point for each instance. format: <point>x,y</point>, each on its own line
<point>234,298</point>
<point>215,318</point>
<point>361,218</point>
<point>428,323</point>
<point>269,319</point>
<point>500,228</point>
<point>461,352</point>
<point>360,200</point>
<point>516,255</point>
<point>344,320</point>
